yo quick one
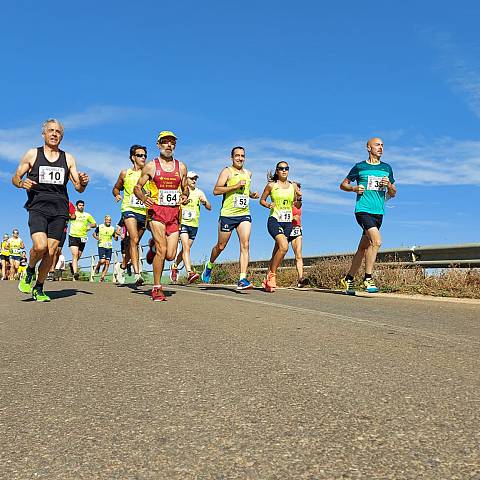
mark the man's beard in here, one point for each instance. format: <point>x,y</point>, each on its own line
<point>166,154</point>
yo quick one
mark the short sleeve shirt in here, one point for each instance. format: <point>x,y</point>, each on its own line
<point>369,175</point>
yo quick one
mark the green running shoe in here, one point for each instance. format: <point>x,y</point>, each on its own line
<point>25,285</point>
<point>39,295</point>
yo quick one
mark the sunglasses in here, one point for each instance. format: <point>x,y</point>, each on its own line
<point>141,155</point>
<point>283,169</point>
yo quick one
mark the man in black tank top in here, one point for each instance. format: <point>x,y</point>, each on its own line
<point>47,171</point>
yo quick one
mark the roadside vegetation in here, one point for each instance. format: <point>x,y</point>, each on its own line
<point>451,282</point>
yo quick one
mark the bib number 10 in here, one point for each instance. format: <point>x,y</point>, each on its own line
<point>51,175</point>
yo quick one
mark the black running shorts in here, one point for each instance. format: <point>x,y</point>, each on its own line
<point>52,226</point>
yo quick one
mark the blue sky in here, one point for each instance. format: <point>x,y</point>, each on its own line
<point>306,83</point>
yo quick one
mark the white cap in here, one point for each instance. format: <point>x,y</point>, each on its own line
<point>192,174</point>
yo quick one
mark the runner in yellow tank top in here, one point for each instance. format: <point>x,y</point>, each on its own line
<point>15,246</point>
<point>189,221</point>
<point>5,256</point>
<point>283,194</point>
<point>234,184</point>
<point>134,212</point>
<point>104,234</point>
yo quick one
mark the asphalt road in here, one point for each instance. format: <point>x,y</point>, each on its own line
<point>102,383</point>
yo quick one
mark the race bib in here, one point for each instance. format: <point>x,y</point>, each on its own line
<point>136,202</point>
<point>240,201</point>
<point>84,239</point>
<point>52,175</point>
<point>373,183</point>
<point>284,215</point>
<point>16,251</point>
<point>107,244</point>
<point>168,198</point>
<point>189,214</point>
<point>296,231</point>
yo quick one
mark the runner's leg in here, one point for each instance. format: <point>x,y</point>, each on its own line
<point>135,236</point>
<point>281,248</point>
<point>359,255</point>
<point>160,239</point>
<point>375,240</point>
<point>186,245</point>
<point>297,250</point>
<point>47,259</point>
<point>223,238</point>
<point>243,232</point>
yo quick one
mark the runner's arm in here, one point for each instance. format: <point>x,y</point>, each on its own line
<point>204,201</point>
<point>221,188</point>
<point>95,233</point>
<point>24,166</point>
<point>265,194</point>
<point>118,186</point>
<point>298,195</point>
<point>347,186</point>
<point>148,172</point>
<point>184,184</point>
<point>79,179</point>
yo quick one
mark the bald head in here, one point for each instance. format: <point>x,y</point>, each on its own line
<point>375,148</point>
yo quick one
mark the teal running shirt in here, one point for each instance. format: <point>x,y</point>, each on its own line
<point>373,198</point>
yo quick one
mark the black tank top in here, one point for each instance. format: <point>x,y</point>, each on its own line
<point>49,196</point>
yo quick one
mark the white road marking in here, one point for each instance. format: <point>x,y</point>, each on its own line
<point>461,340</point>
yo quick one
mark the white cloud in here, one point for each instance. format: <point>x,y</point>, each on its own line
<point>319,165</point>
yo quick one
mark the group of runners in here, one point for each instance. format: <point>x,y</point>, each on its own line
<point>13,256</point>
<point>161,195</point>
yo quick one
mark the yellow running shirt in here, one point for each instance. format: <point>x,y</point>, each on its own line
<point>105,235</point>
<point>190,213</point>
<point>15,247</point>
<point>79,226</point>
<point>130,202</point>
<point>236,202</point>
<point>283,200</point>
<point>5,250</point>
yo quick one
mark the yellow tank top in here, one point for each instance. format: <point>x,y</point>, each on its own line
<point>105,235</point>
<point>283,200</point>
<point>130,202</point>
<point>15,246</point>
<point>236,202</point>
<point>5,250</point>
<point>190,213</point>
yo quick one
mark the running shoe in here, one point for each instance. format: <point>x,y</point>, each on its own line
<point>370,286</point>
<point>192,276</point>
<point>302,282</point>
<point>270,283</point>
<point>39,295</point>
<point>173,272</point>
<point>151,251</point>
<point>158,295</point>
<point>347,284</point>
<point>76,276</point>
<point>206,274</point>
<point>120,274</point>
<point>102,279</point>
<point>244,284</point>
<point>26,283</point>
<point>139,281</point>
<point>50,277</point>
<point>129,269</point>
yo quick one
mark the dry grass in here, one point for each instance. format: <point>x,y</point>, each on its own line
<point>450,282</point>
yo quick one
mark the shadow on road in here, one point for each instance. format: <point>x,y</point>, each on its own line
<point>231,289</point>
<point>168,293</point>
<point>54,294</point>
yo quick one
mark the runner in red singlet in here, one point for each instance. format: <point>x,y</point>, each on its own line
<point>169,177</point>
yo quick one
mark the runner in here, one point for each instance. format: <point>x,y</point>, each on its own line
<point>134,212</point>
<point>78,236</point>
<point>5,256</point>
<point>190,217</point>
<point>15,246</point>
<point>168,183</point>
<point>120,267</point>
<point>295,239</point>
<point>71,215</point>
<point>234,184</point>
<point>283,194</point>
<point>23,263</point>
<point>104,234</point>
<point>48,170</point>
<point>374,181</point>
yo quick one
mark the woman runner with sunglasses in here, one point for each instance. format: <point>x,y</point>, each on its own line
<point>283,194</point>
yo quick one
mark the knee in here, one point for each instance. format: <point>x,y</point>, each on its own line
<point>376,243</point>
<point>283,247</point>
<point>170,256</point>
<point>40,248</point>
<point>221,246</point>
<point>245,245</point>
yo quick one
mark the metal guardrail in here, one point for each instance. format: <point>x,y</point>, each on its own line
<point>466,255</point>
